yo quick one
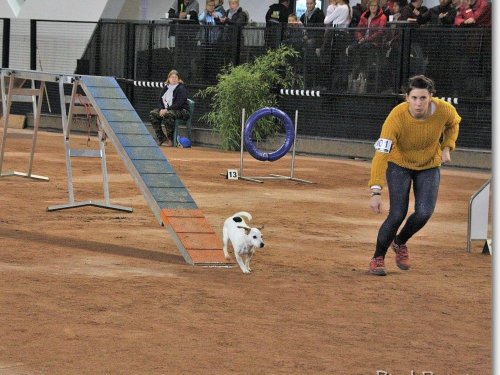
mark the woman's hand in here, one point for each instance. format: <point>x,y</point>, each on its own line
<point>445,155</point>
<point>376,204</point>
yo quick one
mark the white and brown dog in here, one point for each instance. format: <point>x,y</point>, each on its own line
<point>243,239</point>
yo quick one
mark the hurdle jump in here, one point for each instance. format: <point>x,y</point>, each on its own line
<point>15,92</point>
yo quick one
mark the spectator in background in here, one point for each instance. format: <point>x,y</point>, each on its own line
<point>210,17</point>
<point>313,16</point>
<point>172,105</point>
<point>278,13</point>
<point>338,17</point>
<point>384,5</point>
<point>219,7</point>
<point>399,3</point>
<point>209,37</point>
<point>338,14</point>
<point>234,18</point>
<point>396,11</point>
<point>471,68</point>
<point>413,10</point>
<point>181,8</point>
<point>440,15</point>
<point>293,20</point>
<point>474,13</point>
<point>294,33</point>
<point>235,15</point>
<point>357,11</point>
<point>368,41</point>
<point>372,20</point>
<point>312,19</point>
<point>276,17</point>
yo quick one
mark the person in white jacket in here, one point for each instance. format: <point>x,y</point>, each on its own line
<point>338,17</point>
<point>338,14</point>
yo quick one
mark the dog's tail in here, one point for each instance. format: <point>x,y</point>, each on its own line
<point>244,213</point>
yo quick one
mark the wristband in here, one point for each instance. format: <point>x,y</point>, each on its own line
<point>375,193</point>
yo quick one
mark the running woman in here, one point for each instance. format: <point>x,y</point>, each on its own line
<point>415,140</point>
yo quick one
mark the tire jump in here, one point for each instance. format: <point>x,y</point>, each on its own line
<point>289,134</point>
<point>289,143</point>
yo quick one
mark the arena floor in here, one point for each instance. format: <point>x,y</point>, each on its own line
<point>94,291</point>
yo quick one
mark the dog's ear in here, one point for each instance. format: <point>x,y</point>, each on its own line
<point>247,229</point>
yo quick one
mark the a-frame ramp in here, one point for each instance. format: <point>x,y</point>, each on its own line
<point>165,193</point>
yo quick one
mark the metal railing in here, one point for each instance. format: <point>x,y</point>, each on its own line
<point>358,86</point>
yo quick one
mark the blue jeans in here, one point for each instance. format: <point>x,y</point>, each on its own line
<point>425,188</point>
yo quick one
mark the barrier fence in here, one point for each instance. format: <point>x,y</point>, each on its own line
<point>358,86</point>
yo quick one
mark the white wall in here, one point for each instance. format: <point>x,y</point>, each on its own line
<point>93,10</point>
<point>74,10</point>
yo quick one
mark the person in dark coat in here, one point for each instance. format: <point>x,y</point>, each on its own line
<point>278,13</point>
<point>235,15</point>
<point>276,20</point>
<point>440,15</point>
<point>313,16</point>
<point>172,105</point>
<point>413,10</point>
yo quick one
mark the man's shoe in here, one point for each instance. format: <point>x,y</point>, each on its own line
<point>377,266</point>
<point>169,143</point>
<point>402,258</point>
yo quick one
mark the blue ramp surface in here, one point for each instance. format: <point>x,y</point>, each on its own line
<point>165,193</point>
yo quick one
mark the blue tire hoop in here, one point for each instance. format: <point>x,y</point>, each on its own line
<point>289,135</point>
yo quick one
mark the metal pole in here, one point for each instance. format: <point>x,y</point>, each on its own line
<point>241,140</point>
<point>33,45</point>
<point>6,43</point>
<point>37,110</point>
<point>65,126</point>
<point>294,140</point>
<point>102,148</point>
<point>6,111</point>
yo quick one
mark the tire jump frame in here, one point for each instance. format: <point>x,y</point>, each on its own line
<point>290,138</point>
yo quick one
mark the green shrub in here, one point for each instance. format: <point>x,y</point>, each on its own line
<point>249,86</point>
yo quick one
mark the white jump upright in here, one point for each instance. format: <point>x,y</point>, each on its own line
<point>477,229</point>
<point>13,91</point>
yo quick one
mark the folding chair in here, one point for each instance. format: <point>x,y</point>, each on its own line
<point>186,123</point>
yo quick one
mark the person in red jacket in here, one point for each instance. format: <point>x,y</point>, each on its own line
<point>369,38</point>
<point>474,13</point>
<point>373,20</point>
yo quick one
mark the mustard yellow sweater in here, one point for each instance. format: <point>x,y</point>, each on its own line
<point>415,143</point>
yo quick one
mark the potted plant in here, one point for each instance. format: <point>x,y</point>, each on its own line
<point>250,86</point>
